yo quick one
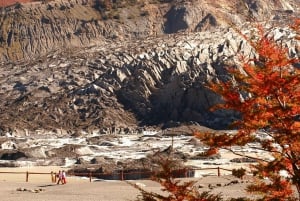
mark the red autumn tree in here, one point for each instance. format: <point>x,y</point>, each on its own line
<point>175,189</point>
<point>266,94</point>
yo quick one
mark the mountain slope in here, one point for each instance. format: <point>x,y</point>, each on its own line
<point>33,29</point>
<point>136,69</point>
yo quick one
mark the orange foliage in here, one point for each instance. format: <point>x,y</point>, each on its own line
<point>279,189</point>
<point>212,151</point>
<point>176,189</point>
<point>267,95</point>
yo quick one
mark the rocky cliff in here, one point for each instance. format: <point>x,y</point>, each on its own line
<point>73,66</point>
<point>33,29</point>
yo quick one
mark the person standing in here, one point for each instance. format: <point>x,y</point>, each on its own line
<point>64,180</point>
<point>59,176</point>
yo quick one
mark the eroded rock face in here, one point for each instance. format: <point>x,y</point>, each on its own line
<point>117,87</point>
<point>109,153</point>
<point>33,29</point>
<point>121,76</point>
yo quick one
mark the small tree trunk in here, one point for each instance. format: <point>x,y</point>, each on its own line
<point>296,177</point>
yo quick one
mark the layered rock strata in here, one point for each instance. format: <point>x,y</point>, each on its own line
<point>117,87</point>
<point>73,67</point>
<point>33,29</point>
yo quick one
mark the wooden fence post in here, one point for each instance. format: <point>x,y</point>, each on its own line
<point>122,176</point>
<point>52,177</point>
<point>27,175</point>
<point>219,173</point>
<point>55,177</point>
<point>90,175</point>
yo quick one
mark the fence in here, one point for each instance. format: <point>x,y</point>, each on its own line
<point>134,175</point>
<point>27,173</point>
<point>120,174</point>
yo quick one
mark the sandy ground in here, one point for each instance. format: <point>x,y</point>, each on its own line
<point>41,188</point>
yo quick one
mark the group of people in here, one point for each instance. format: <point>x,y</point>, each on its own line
<point>61,177</point>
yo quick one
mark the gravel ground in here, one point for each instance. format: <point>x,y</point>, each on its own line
<point>78,189</point>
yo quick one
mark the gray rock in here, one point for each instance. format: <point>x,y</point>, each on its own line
<point>117,79</point>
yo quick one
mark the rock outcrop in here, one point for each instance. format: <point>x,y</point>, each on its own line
<point>116,87</point>
<point>33,29</point>
<point>148,69</point>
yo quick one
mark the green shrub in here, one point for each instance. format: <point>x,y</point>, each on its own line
<point>239,173</point>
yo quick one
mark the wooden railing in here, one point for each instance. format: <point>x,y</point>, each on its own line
<point>121,175</point>
<point>27,173</point>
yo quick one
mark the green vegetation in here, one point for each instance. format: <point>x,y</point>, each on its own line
<point>239,173</point>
